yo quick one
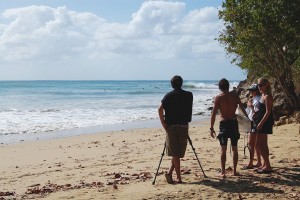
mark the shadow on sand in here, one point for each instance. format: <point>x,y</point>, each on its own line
<point>251,182</point>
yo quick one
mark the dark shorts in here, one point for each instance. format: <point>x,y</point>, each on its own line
<point>229,129</point>
<point>177,140</point>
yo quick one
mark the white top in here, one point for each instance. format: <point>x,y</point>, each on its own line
<point>255,103</point>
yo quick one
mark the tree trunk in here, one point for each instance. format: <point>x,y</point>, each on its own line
<point>286,82</point>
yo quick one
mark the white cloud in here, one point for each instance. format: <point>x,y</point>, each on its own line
<point>159,30</point>
<point>40,32</point>
<point>157,17</point>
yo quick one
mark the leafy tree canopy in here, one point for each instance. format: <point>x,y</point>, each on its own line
<point>264,38</point>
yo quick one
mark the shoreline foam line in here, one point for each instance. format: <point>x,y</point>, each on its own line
<point>153,123</point>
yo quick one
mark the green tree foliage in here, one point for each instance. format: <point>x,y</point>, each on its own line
<point>264,38</point>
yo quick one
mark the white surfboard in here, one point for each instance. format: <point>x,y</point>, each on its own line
<point>244,122</point>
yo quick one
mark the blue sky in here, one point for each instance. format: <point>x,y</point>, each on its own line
<point>112,40</point>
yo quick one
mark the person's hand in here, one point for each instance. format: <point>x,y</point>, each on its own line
<point>212,133</point>
<point>259,127</point>
<point>165,125</point>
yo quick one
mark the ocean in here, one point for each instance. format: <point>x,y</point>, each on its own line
<point>37,109</point>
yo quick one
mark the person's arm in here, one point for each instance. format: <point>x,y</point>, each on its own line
<point>213,118</point>
<point>251,107</point>
<point>269,106</point>
<point>191,107</point>
<point>161,116</point>
<point>241,106</point>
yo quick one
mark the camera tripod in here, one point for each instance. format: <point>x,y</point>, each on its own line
<point>163,153</point>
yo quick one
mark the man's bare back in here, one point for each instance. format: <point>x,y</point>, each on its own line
<point>227,103</point>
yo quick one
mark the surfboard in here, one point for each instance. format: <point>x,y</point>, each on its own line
<point>244,122</point>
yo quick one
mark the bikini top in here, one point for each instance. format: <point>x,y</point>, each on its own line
<point>262,110</point>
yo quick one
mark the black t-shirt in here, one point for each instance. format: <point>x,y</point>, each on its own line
<point>178,105</point>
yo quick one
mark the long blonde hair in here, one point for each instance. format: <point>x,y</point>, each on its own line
<point>265,82</point>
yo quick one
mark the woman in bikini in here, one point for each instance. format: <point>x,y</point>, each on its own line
<point>264,120</point>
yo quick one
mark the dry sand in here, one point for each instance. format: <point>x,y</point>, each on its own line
<point>122,165</point>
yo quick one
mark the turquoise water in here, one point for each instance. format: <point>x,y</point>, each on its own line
<point>32,107</point>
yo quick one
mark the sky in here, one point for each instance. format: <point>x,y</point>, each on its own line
<point>112,40</point>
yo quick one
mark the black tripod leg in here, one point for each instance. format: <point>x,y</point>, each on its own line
<point>162,155</point>
<point>190,141</point>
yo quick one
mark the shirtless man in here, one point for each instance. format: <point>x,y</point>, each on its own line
<point>227,103</point>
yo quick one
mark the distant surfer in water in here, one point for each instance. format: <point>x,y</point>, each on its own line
<point>227,102</point>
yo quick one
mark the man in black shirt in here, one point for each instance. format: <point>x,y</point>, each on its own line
<point>177,106</point>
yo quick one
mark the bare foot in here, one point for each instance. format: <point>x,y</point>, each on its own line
<point>178,182</point>
<point>236,174</point>
<point>221,175</point>
<point>169,178</point>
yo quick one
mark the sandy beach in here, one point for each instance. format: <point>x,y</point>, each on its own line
<point>122,165</point>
